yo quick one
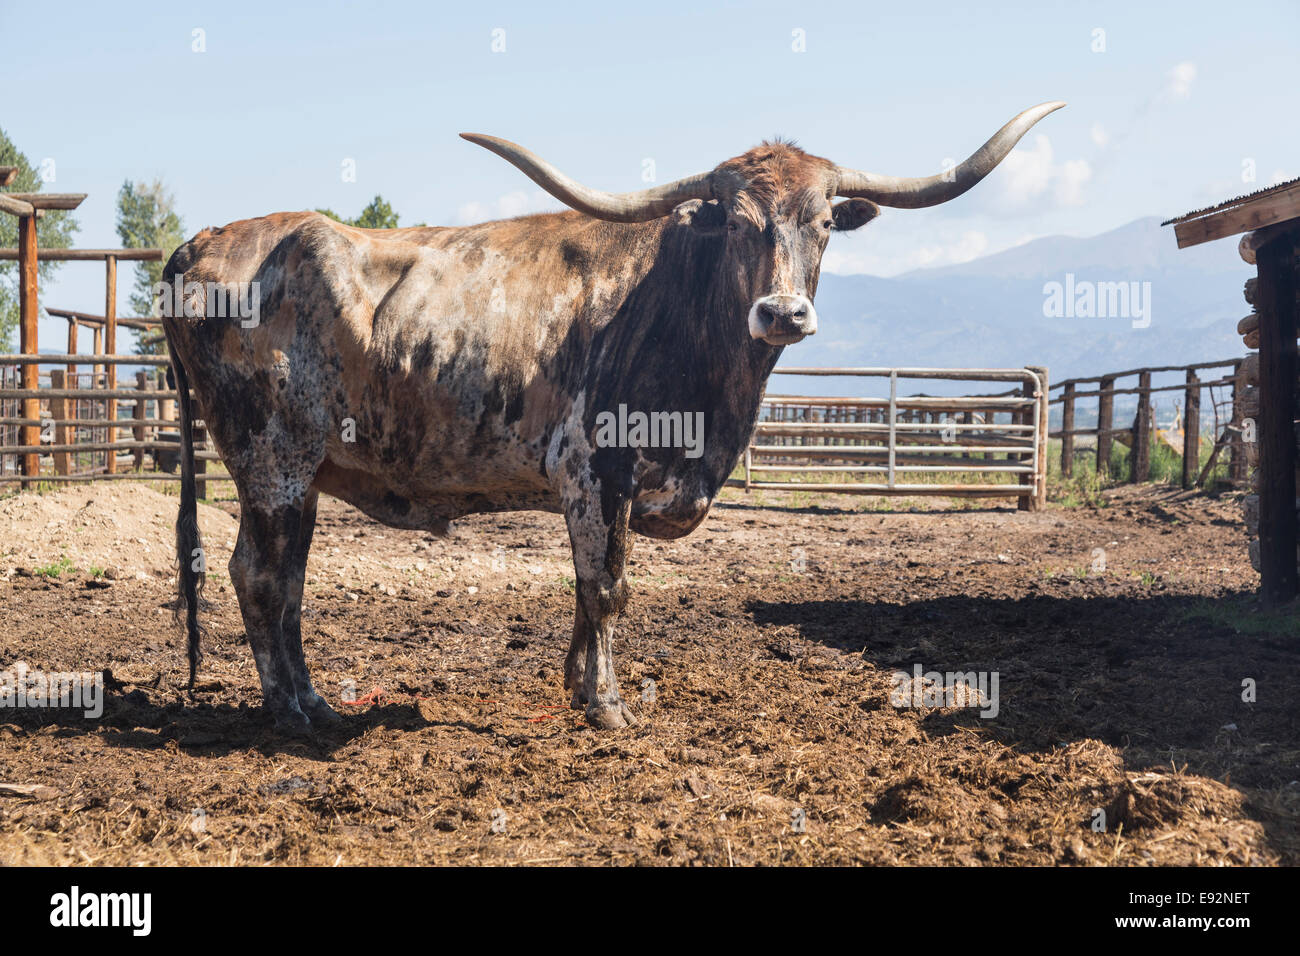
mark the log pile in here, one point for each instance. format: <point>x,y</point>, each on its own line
<point>1249,401</point>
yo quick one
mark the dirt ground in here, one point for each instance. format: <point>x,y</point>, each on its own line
<point>758,653</point>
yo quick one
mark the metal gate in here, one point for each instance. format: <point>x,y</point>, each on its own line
<point>994,442</point>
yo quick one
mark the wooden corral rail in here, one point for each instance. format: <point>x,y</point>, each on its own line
<point>28,255</point>
<point>816,437</point>
<point>27,207</point>
<point>1138,434</point>
<point>72,422</point>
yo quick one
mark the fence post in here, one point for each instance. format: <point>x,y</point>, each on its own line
<point>1105,423</point>
<point>110,348</point>
<point>1191,430</point>
<point>1067,431</point>
<point>59,410</point>
<point>1236,453</point>
<point>1141,458</point>
<point>29,375</point>
<point>749,460</point>
<point>72,350</point>
<point>139,413</point>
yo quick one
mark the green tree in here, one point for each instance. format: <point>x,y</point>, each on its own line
<point>54,230</point>
<point>147,219</point>
<point>378,215</point>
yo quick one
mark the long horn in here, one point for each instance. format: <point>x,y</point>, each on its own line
<point>615,207</point>
<point>932,190</point>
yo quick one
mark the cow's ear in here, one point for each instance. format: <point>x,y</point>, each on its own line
<point>707,217</point>
<point>853,214</point>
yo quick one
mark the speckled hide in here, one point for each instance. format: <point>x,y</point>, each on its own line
<point>422,374</point>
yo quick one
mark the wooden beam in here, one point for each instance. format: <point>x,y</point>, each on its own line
<point>1252,241</point>
<point>15,207</point>
<point>1249,215</point>
<point>27,331</point>
<point>1276,429</point>
<point>51,200</point>
<point>87,255</point>
<point>88,318</point>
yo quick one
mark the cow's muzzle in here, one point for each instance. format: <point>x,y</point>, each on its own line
<point>782,319</point>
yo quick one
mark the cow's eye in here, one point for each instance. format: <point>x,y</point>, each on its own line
<point>732,227</point>
<point>827,224</point>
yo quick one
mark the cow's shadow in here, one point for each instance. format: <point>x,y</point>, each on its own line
<point>200,728</point>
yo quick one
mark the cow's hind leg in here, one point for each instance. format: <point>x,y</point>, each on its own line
<point>268,538</point>
<point>599,534</point>
<point>311,703</point>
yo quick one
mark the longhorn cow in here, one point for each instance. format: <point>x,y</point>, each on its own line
<point>422,374</point>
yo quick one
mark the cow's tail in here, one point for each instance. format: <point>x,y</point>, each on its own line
<point>190,562</point>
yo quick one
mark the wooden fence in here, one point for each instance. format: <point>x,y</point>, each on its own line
<point>88,427</point>
<point>1139,433</point>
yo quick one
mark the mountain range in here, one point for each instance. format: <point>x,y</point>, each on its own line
<point>989,312</point>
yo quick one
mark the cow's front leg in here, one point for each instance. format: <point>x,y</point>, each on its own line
<point>575,662</point>
<point>599,534</point>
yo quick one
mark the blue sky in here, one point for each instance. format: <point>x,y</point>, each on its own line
<point>1181,100</point>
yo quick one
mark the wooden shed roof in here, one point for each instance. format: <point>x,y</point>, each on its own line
<point>1263,207</point>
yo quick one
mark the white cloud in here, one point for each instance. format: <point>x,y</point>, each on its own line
<point>1069,185</point>
<point>1100,138</point>
<point>1280,176</point>
<point>518,203</point>
<point>1181,76</point>
<point>1032,175</point>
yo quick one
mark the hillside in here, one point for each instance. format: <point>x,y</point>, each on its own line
<point>989,312</point>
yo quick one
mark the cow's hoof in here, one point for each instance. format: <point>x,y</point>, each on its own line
<point>610,716</point>
<point>292,723</point>
<point>320,713</point>
<point>578,701</point>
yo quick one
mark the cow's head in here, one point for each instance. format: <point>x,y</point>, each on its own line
<point>773,209</point>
